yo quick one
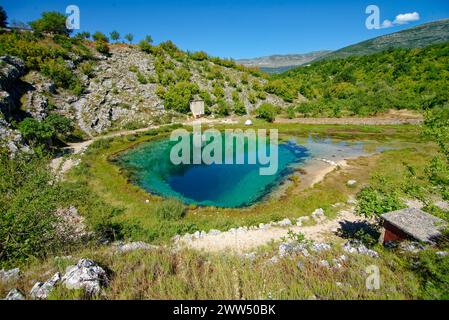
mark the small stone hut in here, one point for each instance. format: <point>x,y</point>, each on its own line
<point>197,108</point>
<point>411,224</point>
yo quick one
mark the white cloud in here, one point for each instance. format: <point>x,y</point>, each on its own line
<point>405,18</point>
<point>386,24</point>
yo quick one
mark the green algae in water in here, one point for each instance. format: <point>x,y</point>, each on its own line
<point>219,185</point>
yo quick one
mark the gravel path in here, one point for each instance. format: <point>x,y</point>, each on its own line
<point>244,240</point>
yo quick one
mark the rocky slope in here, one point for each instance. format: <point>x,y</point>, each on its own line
<point>11,69</point>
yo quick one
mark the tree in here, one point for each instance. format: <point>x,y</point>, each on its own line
<point>129,37</point>
<point>115,35</point>
<point>3,17</point>
<point>267,112</point>
<point>149,39</point>
<point>100,36</point>
<point>51,22</point>
<point>83,35</point>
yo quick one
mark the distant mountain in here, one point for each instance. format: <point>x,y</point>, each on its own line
<point>279,63</point>
<point>416,37</point>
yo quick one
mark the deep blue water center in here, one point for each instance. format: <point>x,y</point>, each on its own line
<point>219,185</point>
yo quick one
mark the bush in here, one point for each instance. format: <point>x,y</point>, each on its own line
<point>87,68</point>
<point>58,72</point>
<point>29,197</point>
<point>239,108</point>
<point>284,88</point>
<point>433,271</point>
<point>199,56</point>
<point>102,47</point>
<point>141,78</point>
<point>145,46</point>
<point>170,209</point>
<point>100,37</point>
<point>39,133</point>
<point>178,97</point>
<point>223,108</point>
<point>51,22</point>
<point>267,112</point>
<point>373,202</point>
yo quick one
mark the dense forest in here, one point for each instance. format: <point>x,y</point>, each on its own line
<point>415,79</point>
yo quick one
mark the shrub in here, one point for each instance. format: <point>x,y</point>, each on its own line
<point>29,197</point>
<point>58,72</point>
<point>239,108</point>
<point>141,78</point>
<point>87,68</point>
<point>145,46</point>
<point>223,108</point>
<point>178,97</point>
<point>51,22</point>
<point>102,47</point>
<point>170,209</point>
<point>284,88</point>
<point>46,131</point>
<point>199,56</point>
<point>100,36</point>
<point>373,202</point>
<point>433,271</point>
<point>267,112</point>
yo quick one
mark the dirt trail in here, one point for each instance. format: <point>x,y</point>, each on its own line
<point>240,241</point>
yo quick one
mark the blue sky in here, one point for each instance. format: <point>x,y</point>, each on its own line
<point>238,28</point>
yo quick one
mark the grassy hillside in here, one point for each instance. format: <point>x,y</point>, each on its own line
<point>417,37</point>
<point>415,79</point>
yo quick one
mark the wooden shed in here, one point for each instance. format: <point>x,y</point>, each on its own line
<point>411,224</point>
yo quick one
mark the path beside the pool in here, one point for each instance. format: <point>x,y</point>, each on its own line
<point>247,239</point>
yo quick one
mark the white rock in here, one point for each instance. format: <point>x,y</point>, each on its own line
<point>41,290</point>
<point>273,260</point>
<point>15,294</point>
<point>87,275</point>
<point>351,183</point>
<point>214,232</point>
<point>284,223</point>
<point>319,247</point>
<point>442,253</point>
<point>9,275</point>
<point>248,122</point>
<point>324,264</point>
<point>318,214</point>
<point>132,246</point>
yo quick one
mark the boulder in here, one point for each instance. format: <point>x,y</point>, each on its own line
<point>319,247</point>
<point>132,246</point>
<point>41,290</point>
<point>356,247</point>
<point>318,215</point>
<point>15,294</point>
<point>248,122</point>
<point>86,275</point>
<point>285,223</point>
<point>351,183</point>
<point>10,275</point>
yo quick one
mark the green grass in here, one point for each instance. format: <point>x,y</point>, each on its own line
<point>140,221</point>
<point>167,274</point>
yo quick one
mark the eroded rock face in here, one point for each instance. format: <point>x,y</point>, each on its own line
<point>86,275</point>
<point>9,275</point>
<point>15,294</point>
<point>11,139</point>
<point>41,290</point>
